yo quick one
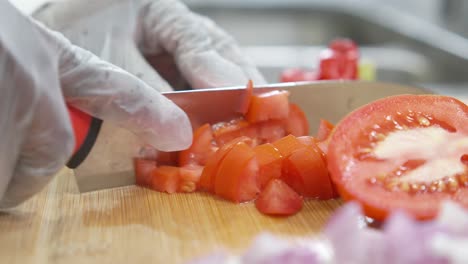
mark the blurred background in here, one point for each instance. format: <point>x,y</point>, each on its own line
<point>418,42</point>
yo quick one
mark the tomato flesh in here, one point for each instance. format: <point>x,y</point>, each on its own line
<point>278,199</point>
<point>269,162</point>
<point>189,176</point>
<point>402,152</point>
<point>143,169</point>
<point>272,105</point>
<point>245,102</point>
<point>324,130</point>
<point>297,124</point>
<point>165,179</point>
<point>201,149</point>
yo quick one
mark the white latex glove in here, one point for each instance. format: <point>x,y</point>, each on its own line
<point>120,31</point>
<point>39,71</point>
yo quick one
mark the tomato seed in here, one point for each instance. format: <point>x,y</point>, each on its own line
<point>404,186</point>
<point>391,185</point>
<point>463,179</point>
<point>424,121</point>
<point>452,184</point>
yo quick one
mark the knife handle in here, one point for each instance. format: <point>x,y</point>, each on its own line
<point>85,129</point>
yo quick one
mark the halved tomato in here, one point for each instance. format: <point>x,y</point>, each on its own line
<point>278,199</point>
<point>236,178</point>
<point>269,162</point>
<point>404,153</point>
<point>165,179</point>
<point>272,105</point>
<point>202,147</point>
<point>207,179</point>
<point>143,169</point>
<point>324,130</point>
<point>296,123</point>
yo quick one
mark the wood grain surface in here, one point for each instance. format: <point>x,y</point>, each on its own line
<point>137,225</point>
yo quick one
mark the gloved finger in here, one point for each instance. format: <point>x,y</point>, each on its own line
<point>107,92</point>
<point>180,32</point>
<point>37,138</point>
<point>227,47</point>
<point>112,40</point>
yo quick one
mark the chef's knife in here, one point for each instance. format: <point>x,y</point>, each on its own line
<point>104,153</point>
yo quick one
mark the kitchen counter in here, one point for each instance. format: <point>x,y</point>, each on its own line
<point>136,225</point>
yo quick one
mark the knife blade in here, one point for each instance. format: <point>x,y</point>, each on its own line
<point>107,152</point>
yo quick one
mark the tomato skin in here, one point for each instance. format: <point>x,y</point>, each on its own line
<point>201,149</point>
<point>324,130</point>
<point>269,162</point>
<point>247,98</point>
<point>278,199</point>
<point>351,175</point>
<point>287,145</point>
<point>297,123</point>
<point>236,177</point>
<point>225,132</point>
<point>165,179</point>
<point>143,169</point>
<point>268,106</point>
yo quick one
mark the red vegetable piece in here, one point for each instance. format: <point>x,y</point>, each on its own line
<point>143,169</point>
<point>270,131</point>
<point>269,162</point>
<point>225,132</point>
<point>202,147</point>
<point>292,75</point>
<point>189,178</point>
<point>268,106</point>
<point>278,199</point>
<point>165,179</point>
<point>297,123</point>
<point>247,97</point>
<point>287,145</point>
<point>324,130</point>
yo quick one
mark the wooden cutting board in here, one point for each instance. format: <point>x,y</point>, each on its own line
<point>137,225</point>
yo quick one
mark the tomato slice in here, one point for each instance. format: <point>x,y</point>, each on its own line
<point>269,162</point>
<point>236,178</point>
<point>404,153</point>
<point>209,172</point>
<point>247,98</point>
<point>297,123</point>
<point>288,144</point>
<point>324,130</point>
<point>143,169</point>
<point>268,106</point>
<point>225,132</point>
<point>189,176</point>
<point>278,199</point>
<point>165,179</point>
<point>202,147</point>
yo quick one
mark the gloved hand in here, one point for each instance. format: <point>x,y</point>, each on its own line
<point>40,71</point>
<point>124,31</point>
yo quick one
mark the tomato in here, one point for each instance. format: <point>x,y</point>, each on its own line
<point>143,169</point>
<point>268,106</point>
<point>210,170</point>
<point>165,179</point>
<point>236,178</point>
<point>270,131</point>
<point>404,153</point>
<point>292,75</point>
<point>335,65</point>
<point>297,123</point>
<point>306,172</point>
<point>278,199</point>
<point>201,149</point>
<point>288,144</point>
<point>247,97</point>
<point>269,162</point>
<point>189,177</point>
<point>324,130</point>
<point>343,45</point>
<point>227,131</point>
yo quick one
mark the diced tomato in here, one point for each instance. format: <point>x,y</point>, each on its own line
<point>335,65</point>
<point>305,171</point>
<point>278,199</point>
<point>143,169</point>
<point>167,158</point>
<point>292,75</point>
<point>268,106</point>
<point>247,97</point>
<point>270,131</point>
<point>165,179</point>
<point>297,123</point>
<point>402,153</point>
<point>269,162</point>
<point>207,179</point>
<point>227,131</point>
<point>189,176</point>
<point>287,145</point>
<point>343,45</point>
<point>202,147</point>
<point>324,130</point>
<point>236,177</point>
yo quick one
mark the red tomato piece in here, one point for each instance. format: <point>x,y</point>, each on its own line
<point>269,162</point>
<point>402,153</point>
<point>343,45</point>
<point>306,172</point>
<point>202,147</point>
<point>270,131</point>
<point>165,179</point>
<point>227,131</point>
<point>245,102</point>
<point>335,65</point>
<point>297,123</point>
<point>143,169</point>
<point>292,75</point>
<point>189,176</point>
<point>324,130</point>
<point>268,106</point>
<point>278,199</point>
<point>207,179</point>
<point>288,144</point>
<point>236,178</point>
